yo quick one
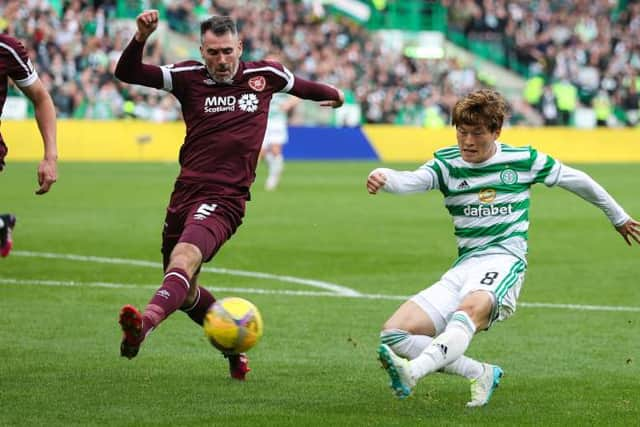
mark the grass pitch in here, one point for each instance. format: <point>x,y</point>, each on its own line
<point>316,364</point>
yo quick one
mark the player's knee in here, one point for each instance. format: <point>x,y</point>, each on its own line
<point>186,257</point>
<point>390,324</point>
<point>479,306</point>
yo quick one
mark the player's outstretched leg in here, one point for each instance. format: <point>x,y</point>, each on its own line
<point>402,381</point>
<point>238,365</point>
<point>482,387</point>
<point>132,335</point>
<point>7,222</point>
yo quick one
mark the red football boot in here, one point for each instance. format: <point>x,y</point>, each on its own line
<point>131,323</point>
<point>6,242</point>
<point>238,365</point>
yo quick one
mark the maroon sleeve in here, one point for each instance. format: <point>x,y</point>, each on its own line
<point>306,89</point>
<point>130,68</point>
<point>18,66</point>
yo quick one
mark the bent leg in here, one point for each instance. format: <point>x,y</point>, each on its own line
<point>474,313</point>
<point>168,298</point>
<point>410,330</point>
<point>198,302</point>
<point>183,263</point>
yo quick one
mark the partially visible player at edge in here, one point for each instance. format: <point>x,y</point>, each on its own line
<point>225,103</point>
<point>15,64</point>
<point>276,135</point>
<point>485,184</point>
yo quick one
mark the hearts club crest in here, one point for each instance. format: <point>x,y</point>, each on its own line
<point>257,83</point>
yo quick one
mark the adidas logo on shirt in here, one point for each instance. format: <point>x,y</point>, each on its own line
<point>463,185</point>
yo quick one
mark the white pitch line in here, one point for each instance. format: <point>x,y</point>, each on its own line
<point>290,292</point>
<point>340,290</point>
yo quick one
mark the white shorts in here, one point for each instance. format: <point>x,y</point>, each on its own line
<point>277,133</point>
<point>500,274</point>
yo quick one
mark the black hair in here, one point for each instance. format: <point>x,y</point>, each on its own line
<point>219,25</point>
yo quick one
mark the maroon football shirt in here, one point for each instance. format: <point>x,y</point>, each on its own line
<point>225,123</point>
<point>14,63</point>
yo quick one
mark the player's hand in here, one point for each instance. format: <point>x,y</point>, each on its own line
<point>47,175</point>
<point>334,103</point>
<point>375,182</point>
<point>630,230</point>
<point>147,23</point>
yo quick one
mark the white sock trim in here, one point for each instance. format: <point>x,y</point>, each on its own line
<point>184,279</point>
<point>197,300</point>
<point>462,318</point>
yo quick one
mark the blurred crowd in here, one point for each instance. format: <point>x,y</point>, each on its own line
<point>581,53</point>
<point>590,45</point>
<point>75,49</point>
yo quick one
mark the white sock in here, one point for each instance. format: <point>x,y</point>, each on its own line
<point>465,367</point>
<point>411,346</point>
<point>405,344</point>
<point>268,157</point>
<point>276,165</point>
<point>446,347</point>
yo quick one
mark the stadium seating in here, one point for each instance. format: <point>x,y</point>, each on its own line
<point>75,47</point>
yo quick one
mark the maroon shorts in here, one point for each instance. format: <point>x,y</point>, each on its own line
<point>203,216</point>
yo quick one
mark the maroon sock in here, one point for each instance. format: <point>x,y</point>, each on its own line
<point>198,310</point>
<point>166,300</point>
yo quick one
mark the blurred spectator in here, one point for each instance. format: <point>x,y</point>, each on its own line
<point>592,46</point>
<point>549,107</point>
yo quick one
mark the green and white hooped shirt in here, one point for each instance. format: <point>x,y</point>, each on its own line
<point>489,202</point>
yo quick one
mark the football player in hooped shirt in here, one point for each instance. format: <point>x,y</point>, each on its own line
<point>225,103</point>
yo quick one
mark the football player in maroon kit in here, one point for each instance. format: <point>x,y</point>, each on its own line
<point>225,103</point>
<point>15,64</point>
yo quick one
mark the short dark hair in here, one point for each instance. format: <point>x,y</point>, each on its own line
<point>482,107</point>
<point>219,25</point>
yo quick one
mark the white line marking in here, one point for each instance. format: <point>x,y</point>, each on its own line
<point>340,290</point>
<point>256,291</point>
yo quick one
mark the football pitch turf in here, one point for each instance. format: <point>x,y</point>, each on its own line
<point>326,264</point>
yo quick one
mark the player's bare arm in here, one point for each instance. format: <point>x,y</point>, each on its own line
<point>630,230</point>
<point>147,22</point>
<point>46,118</point>
<point>375,182</point>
